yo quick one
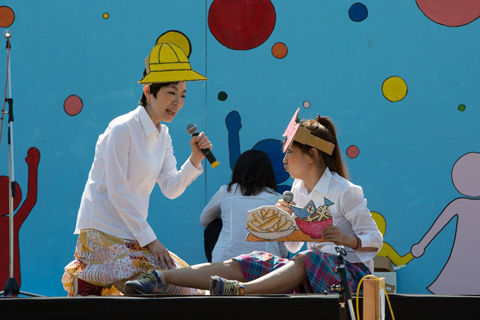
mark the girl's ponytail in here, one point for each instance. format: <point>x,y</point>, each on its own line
<point>323,127</point>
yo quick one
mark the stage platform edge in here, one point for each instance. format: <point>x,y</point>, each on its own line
<point>308,306</point>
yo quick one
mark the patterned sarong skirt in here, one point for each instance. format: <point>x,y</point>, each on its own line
<point>107,261</point>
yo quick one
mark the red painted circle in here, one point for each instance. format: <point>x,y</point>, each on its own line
<point>241,24</point>
<point>73,105</point>
<point>353,152</point>
<point>450,13</point>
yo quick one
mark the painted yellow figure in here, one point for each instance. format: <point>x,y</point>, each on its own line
<point>387,250</point>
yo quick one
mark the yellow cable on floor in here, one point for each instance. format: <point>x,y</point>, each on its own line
<point>386,294</point>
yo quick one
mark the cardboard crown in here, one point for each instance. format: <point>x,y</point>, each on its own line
<point>295,132</point>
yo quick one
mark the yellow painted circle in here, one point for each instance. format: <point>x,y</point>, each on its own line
<point>394,89</point>
<point>106,15</point>
<point>178,38</point>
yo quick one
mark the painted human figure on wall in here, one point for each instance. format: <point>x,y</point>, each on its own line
<point>387,250</point>
<point>32,159</point>
<point>272,147</point>
<point>459,275</point>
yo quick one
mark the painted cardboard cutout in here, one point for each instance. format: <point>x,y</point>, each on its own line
<point>270,223</point>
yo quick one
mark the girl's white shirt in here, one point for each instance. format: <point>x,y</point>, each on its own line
<point>349,212</point>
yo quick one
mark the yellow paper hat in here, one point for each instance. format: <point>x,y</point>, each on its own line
<point>167,62</point>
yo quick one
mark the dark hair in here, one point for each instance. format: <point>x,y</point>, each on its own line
<point>154,88</point>
<point>323,127</point>
<point>253,172</point>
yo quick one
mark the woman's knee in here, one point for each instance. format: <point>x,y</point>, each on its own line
<point>299,261</point>
<point>233,270</point>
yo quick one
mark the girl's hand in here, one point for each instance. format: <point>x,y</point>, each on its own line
<point>333,234</point>
<point>161,255</point>
<point>197,144</point>
<point>284,205</point>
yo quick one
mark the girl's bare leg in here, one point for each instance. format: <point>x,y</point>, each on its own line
<point>198,276</point>
<point>281,280</point>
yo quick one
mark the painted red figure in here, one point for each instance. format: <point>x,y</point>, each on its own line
<point>32,159</point>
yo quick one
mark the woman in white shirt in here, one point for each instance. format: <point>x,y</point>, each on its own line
<point>313,159</point>
<point>253,185</point>
<point>135,152</point>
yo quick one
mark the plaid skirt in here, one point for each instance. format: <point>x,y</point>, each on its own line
<point>320,269</point>
<point>107,261</point>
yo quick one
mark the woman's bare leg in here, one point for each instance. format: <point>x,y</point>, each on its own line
<point>281,280</point>
<point>198,276</point>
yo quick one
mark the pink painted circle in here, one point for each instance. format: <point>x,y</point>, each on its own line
<point>73,105</point>
<point>353,152</point>
<point>450,13</point>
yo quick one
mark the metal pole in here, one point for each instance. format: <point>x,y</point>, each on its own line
<point>341,253</point>
<point>11,173</point>
<point>11,287</point>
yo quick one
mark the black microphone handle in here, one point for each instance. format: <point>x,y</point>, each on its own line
<point>208,154</point>
<point>210,157</point>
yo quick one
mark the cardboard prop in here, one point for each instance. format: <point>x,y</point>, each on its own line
<point>270,223</point>
<point>295,132</point>
<point>167,62</point>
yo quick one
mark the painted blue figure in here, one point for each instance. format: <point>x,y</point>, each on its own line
<point>272,147</point>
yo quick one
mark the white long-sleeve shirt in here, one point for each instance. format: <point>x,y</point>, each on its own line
<point>349,212</point>
<point>232,207</point>
<point>130,157</point>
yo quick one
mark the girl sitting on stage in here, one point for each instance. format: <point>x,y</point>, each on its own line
<point>312,158</point>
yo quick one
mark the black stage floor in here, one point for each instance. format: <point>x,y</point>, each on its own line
<point>245,307</point>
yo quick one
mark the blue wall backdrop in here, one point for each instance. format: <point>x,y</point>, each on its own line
<point>399,79</point>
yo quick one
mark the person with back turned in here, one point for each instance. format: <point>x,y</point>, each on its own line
<point>252,185</point>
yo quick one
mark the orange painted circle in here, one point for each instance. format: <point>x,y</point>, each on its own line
<point>7,16</point>
<point>279,50</point>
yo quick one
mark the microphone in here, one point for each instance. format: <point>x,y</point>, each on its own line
<point>7,34</point>
<point>287,196</point>
<point>193,131</point>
